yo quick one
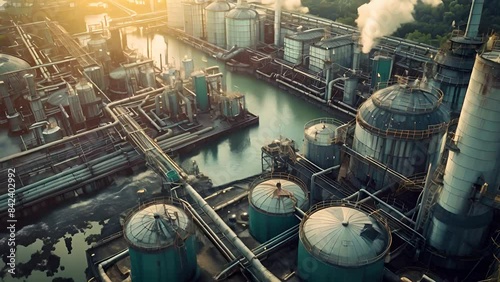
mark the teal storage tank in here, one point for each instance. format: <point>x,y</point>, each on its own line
<point>381,72</point>
<point>338,242</point>
<point>273,199</point>
<point>161,242</point>
<point>200,88</point>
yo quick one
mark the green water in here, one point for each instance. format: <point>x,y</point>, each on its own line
<point>237,155</point>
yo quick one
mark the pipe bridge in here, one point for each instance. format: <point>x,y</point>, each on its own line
<point>154,155</point>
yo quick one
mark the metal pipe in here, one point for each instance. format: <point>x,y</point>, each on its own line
<point>169,134</point>
<point>263,273</point>
<point>160,121</point>
<point>100,267</point>
<point>380,201</point>
<point>330,85</point>
<point>143,113</point>
<point>312,193</point>
<point>277,22</point>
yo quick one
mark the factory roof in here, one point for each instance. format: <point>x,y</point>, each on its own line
<point>10,63</point>
<point>311,34</point>
<point>333,42</point>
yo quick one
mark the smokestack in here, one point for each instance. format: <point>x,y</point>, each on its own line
<point>473,163</point>
<point>476,10</point>
<point>277,22</point>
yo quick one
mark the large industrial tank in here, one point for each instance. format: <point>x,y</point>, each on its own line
<point>401,126</point>
<point>88,99</point>
<point>341,243</point>
<point>161,240</point>
<point>273,199</point>
<point>242,27</point>
<point>194,17</point>
<point>16,81</point>
<point>96,75</point>
<point>319,142</point>
<point>200,89</point>
<point>175,14</point>
<point>75,106</point>
<point>52,133</point>
<point>216,22</point>
<point>462,216</point>
<point>97,44</point>
<point>120,82</point>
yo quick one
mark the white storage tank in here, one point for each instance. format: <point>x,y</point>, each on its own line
<point>319,142</point>
<point>175,14</point>
<point>216,22</point>
<point>340,242</point>
<point>242,27</point>
<point>194,17</point>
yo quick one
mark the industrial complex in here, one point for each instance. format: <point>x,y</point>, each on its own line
<point>402,185</point>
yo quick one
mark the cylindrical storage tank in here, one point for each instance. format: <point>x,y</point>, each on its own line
<point>88,99</point>
<point>381,71</point>
<point>401,126</point>
<point>350,86</point>
<point>194,17</point>
<point>96,75</point>
<point>460,221</point>
<point>97,44</point>
<point>319,142</point>
<point>273,199</point>
<point>216,22</point>
<point>175,14</point>
<point>241,27</point>
<point>59,97</point>
<point>52,133</point>
<point>75,106</point>
<point>118,82</point>
<point>338,242</point>
<point>147,77</point>
<point>161,240</point>
<point>16,81</point>
<point>15,122</point>
<point>201,91</point>
<point>188,65</point>
<point>173,104</point>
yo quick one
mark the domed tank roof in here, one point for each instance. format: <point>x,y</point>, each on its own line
<point>157,226</point>
<point>321,131</point>
<point>10,63</point>
<point>344,236</point>
<point>218,6</point>
<point>242,12</point>
<point>278,196</point>
<point>403,107</point>
<point>60,97</point>
<point>118,73</point>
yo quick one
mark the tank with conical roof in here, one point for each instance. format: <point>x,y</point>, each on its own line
<point>175,14</point>
<point>161,240</point>
<point>319,142</point>
<point>16,81</point>
<point>402,126</point>
<point>194,17</point>
<point>242,26</point>
<point>216,22</point>
<point>340,242</point>
<point>273,199</point>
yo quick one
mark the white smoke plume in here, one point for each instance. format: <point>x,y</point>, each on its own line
<point>288,5</point>
<point>383,17</point>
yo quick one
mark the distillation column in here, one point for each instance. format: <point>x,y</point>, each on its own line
<point>459,223</point>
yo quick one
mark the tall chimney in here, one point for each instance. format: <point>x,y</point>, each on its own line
<point>277,22</point>
<point>474,19</point>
